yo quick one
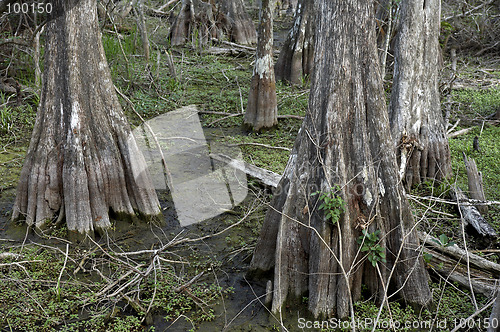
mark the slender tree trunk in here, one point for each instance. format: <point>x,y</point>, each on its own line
<point>383,18</point>
<point>262,107</point>
<point>344,141</point>
<point>415,112</point>
<point>143,30</point>
<point>236,22</point>
<point>82,162</point>
<point>296,57</point>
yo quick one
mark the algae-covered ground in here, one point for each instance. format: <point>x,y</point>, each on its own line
<point>168,277</point>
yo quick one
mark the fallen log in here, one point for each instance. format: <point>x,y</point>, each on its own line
<point>460,254</point>
<point>450,262</point>
<point>481,282</point>
<point>470,215</point>
<point>266,177</point>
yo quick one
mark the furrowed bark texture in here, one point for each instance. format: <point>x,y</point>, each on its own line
<point>415,112</point>
<point>296,57</point>
<point>262,107</point>
<point>82,161</point>
<point>344,140</point>
<point>236,22</point>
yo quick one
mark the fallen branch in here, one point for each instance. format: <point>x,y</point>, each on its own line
<point>5,255</point>
<point>285,116</point>
<point>460,132</point>
<point>465,201</point>
<point>263,145</point>
<point>460,254</point>
<point>263,175</point>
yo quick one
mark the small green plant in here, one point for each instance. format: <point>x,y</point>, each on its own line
<point>427,257</point>
<point>444,241</point>
<point>369,243</point>
<point>332,204</point>
<point>6,122</point>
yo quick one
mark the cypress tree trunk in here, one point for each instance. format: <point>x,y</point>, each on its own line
<point>345,144</point>
<point>415,111</point>
<point>199,17</point>
<point>236,22</point>
<point>296,57</point>
<point>195,21</point>
<point>82,162</point>
<point>262,107</point>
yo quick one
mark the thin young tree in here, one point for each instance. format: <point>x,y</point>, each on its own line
<point>343,156</point>
<point>82,163</point>
<point>415,111</point>
<point>262,107</point>
<point>296,57</point>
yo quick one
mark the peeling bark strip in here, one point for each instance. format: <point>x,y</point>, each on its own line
<point>415,111</point>
<point>345,140</point>
<point>262,108</point>
<point>82,161</point>
<point>296,57</point>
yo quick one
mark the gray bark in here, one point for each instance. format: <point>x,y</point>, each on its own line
<point>262,107</point>
<point>296,57</point>
<point>415,111</point>
<point>345,140</point>
<point>82,162</point>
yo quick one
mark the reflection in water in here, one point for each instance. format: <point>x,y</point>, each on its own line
<point>201,186</point>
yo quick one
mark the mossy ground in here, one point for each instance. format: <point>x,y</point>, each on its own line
<point>30,298</point>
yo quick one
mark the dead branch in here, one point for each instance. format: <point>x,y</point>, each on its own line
<point>450,269</point>
<point>264,176</point>
<point>470,215</point>
<point>263,145</point>
<point>460,132</point>
<point>460,254</point>
<point>189,283</point>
